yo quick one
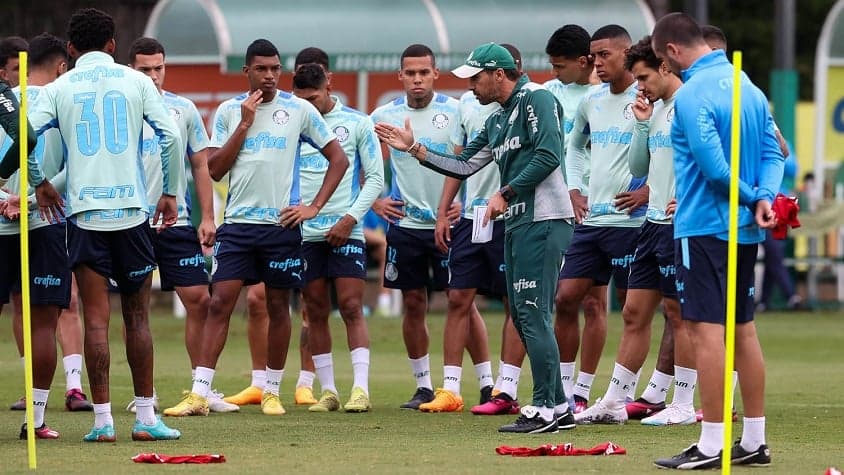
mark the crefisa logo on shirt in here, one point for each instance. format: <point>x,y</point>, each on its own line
<point>440,121</point>
<point>628,111</point>
<point>342,133</point>
<point>281,117</point>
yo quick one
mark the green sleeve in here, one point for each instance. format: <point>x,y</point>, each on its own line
<point>10,121</point>
<point>543,122</point>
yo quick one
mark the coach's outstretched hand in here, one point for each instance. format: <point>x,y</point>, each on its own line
<point>166,212</point>
<point>50,202</point>
<point>396,137</point>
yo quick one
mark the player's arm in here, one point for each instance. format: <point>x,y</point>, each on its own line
<point>198,157</point>
<point>772,163</point>
<point>575,161</point>
<point>638,155</point>
<point>547,139</point>
<point>42,117</point>
<point>698,118</point>
<point>226,143</point>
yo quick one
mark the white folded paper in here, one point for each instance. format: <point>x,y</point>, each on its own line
<point>481,233</point>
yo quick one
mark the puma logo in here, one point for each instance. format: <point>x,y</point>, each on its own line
<point>531,302</point>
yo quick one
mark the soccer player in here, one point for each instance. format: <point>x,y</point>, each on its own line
<point>525,139</point>
<point>651,279</point>
<point>334,244</point>
<point>603,244</point>
<point>414,263</point>
<point>99,108</point>
<point>573,67</point>
<point>50,275</point>
<point>700,136</point>
<point>178,249</point>
<point>255,141</point>
<point>474,268</point>
<point>47,61</point>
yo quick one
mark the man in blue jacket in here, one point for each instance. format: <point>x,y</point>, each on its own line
<point>701,139</point>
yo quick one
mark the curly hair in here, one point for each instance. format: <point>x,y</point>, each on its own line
<point>641,51</point>
<point>90,29</point>
<point>45,48</point>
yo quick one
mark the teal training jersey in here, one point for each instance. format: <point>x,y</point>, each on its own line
<point>360,186</point>
<point>606,121</point>
<point>50,155</point>
<point>652,155</point>
<point>194,139</point>
<point>437,126</point>
<point>479,187</point>
<point>570,96</point>
<point>265,176</point>
<point>99,108</point>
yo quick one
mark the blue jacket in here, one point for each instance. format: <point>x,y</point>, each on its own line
<point>701,137</point>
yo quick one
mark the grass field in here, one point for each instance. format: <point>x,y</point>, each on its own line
<point>805,412</point>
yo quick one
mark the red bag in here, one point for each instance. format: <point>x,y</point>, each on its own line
<point>161,458</point>
<point>786,209</point>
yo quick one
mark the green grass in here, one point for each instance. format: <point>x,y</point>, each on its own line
<point>803,396</point>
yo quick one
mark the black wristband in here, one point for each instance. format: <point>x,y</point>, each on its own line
<point>507,193</point>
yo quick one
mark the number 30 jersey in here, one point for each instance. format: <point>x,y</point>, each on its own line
<point>99,107</point>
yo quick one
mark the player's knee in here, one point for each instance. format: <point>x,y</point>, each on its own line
<point>635,320</point>
<point>351,309</point>
<point>255,304</point>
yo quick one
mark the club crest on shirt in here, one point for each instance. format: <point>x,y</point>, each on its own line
<point>670,115</point>
<point>628,111</point>
<point>175,114</point>
<point>440,120</point>
<point>281,117</point>
<point>342,133</point>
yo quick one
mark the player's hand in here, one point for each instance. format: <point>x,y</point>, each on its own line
<point>166,213</point>
<point>249,106</point>
<point>389,209</point>
<point>671,208</point>
<point>340,232</point>
<point>396,137</point>
<point>11,208</point>
<point>454,211</point>
<point>293,216</point>
<point>642,108</point>
<point>630,201</point>
<point>50,202</point>
<point>580,204</point>
<point>765,216</point>
<point>442,233</point>
<point>207,233</point>
<point>496,206</point>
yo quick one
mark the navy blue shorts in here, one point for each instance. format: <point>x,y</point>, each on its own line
<point>326,262</point>
<point>125,256</point>
<point>653,262</point>
<point>701,264</point>
<point>49,273</point>
<point>600,252</point>
<point>180,259</point>
<point>259,253</point>
<point>477,266</point>
<point>413,260</point>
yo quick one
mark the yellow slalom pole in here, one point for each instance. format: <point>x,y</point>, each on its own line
<point>732,265</point>
<point>24,220</point>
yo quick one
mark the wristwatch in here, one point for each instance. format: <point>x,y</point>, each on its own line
<point>507,193</point>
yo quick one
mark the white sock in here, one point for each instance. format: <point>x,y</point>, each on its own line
<point>324,368</point>
<point>567,377</point>
<point>202,381</point>
<point>422,372</point>
<point>306,379</point>
<point>451,378</point>
<point>39,404</point>
<point>632,394</point>
<point>497,385</point>
<point>561,408</point>
<point>145,410</point>
<point>273,380</point>
<point>360,368</point>
<point>102,415</point>
<point>484,374</point>
<point>510,380</point>
<point>584,385</point>
<point>546,413</point>
<point>72,372</point>
<point>752,433</point>
<point>684,386</point>
<point>657,387</point>
<point>711,438</point>
<point>622,383</point>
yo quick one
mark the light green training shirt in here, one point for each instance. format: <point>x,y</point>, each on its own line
<point>652,155</point>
